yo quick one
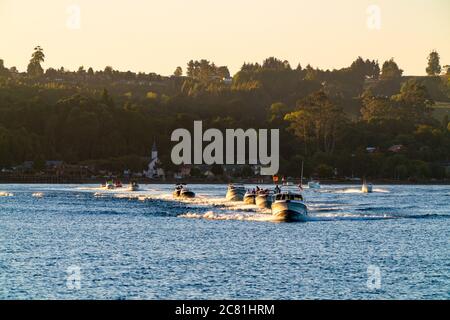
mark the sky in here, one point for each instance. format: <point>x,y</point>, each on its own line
<point>159,35</point>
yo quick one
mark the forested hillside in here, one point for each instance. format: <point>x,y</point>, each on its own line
<point>327,117</point>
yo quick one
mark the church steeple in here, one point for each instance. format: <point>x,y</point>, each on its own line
<point>154,150</point>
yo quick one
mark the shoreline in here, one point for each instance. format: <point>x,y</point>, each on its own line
<point>193,181</point>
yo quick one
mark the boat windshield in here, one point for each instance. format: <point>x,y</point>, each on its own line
<point>289,196</point>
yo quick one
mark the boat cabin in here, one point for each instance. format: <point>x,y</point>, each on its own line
<point>288,196</point>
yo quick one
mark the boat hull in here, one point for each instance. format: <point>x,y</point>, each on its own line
<point>263,201</point>
<point>367,189</point>
<point>187,194</point>
<point>235,195</point>
<point>289,211</point>
<point>313,185</point>
<point>249,199</point>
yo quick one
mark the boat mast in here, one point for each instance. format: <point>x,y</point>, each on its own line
<point>301,179</point>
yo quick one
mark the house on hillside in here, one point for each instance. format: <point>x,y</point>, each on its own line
<point>396,148</point>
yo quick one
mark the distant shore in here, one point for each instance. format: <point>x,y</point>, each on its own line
<point>30,179</point>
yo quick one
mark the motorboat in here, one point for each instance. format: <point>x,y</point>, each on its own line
<point>134,186</point>
<point>181,191</point>
<point>249,197</point>
<point>314,184</point>
<point>186,193</point>
<point>177,192</point>
<point>367,187</point>
<point>289,206</point>
<point>118,184</point>
<point>264,199</point>
<point>109,185</point>
<point>235,192</point>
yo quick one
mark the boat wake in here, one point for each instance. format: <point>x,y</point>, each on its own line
<point>357,190</point>
<point>213,207</point>
<point>210,215</point>
<point>264,217</point>
<point>38,195</point>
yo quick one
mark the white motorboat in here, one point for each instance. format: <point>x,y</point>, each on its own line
<point>249,197</point>
<point>264,199</point>
<point>289,206</point>
<point>367,187</point>
<point>314,184</point>
<point>187,193</point>
<point>134,186</point>
<point>109,185</point>
<point>235,192</point>
<point>182,191</point>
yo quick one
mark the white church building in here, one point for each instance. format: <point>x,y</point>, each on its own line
<point>154,171</point>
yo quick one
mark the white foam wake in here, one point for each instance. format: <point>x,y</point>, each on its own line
<point>358,190</point>
<point>38,194</point>
<point>210,215</point>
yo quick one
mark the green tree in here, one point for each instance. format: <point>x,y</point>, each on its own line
<point>276,64</point>
<point>324,171</point>
<point>34,67</point>
<point>247,171</point>
<point>414,102</point>
<point>3,71</point>
<point>39,163</point>
<point>377,109</point>
<point>178,72</point>
<point>195,172</point>
<point>390,70</point>
<point>434,66</point>
<point>317,122</point>
<point>277,111</point>
<point>81,70</point>
<point>217,169</point>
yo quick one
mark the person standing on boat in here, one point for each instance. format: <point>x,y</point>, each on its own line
<point>277,189</point>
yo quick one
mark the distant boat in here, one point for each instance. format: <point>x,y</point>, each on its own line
<point>289,206</point>
<point>134,186</point>
<point>182,191</point>
<point>249,197</point>
<point>235,192</point>
<point>367,187</point>
<point>264,199</point>
<point>314,184</point>
<point>118,184</point>
<point>109,185</point>
<point>187,193</point>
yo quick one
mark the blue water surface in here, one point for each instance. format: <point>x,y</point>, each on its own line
<point>391,244</point>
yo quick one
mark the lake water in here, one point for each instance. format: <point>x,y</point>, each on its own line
<point>78,241</point>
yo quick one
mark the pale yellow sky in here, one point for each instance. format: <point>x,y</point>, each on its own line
<point>157,36</point>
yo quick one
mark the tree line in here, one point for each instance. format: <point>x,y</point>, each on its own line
<point>340,121</point>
